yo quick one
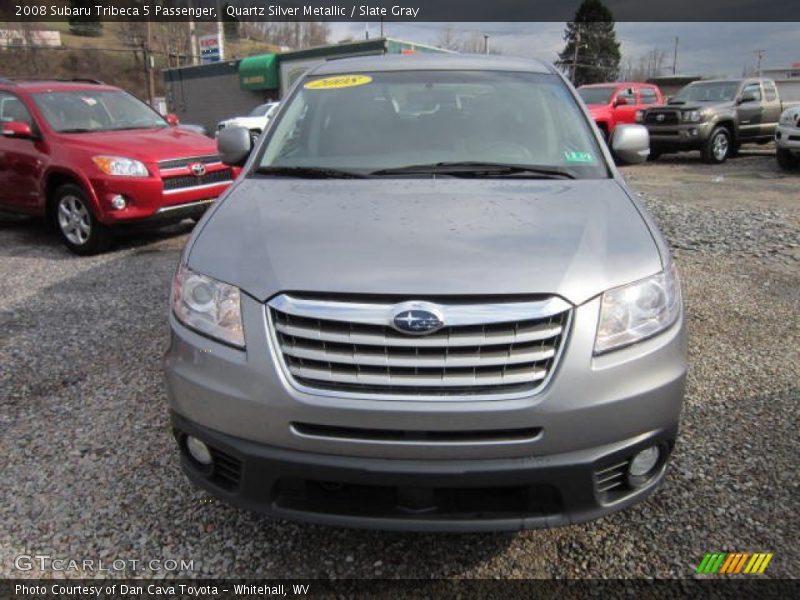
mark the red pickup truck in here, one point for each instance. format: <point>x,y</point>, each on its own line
<point>92,158</point>
<point>613,103</point>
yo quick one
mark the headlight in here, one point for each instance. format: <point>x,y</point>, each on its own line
<point>638,310</point>
<point>207,305</point>
<point>693,116</point>
<point>119,165</point>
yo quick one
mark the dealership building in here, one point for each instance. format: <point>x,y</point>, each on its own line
<point>206,94</point>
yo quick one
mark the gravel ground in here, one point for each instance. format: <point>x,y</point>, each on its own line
<point>90,469</point>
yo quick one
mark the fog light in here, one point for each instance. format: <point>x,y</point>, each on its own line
<point>693,132</point>
<point>644,462</point>
<point>198,450</point>
<point>118,202</point>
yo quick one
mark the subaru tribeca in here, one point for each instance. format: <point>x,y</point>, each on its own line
<point>430,302</point>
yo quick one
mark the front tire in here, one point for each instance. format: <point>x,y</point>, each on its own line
<point>80,230</point>
<point>786,160</point>
<point>717,148</point>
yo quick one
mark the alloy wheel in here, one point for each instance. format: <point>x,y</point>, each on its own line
<point>74,219</point>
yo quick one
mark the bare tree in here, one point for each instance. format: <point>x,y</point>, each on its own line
<point>449,40</point>
<point>295,35</point>
<point>472,42</point>
<point>642,68</point>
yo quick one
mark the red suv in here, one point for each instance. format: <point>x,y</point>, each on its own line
<point>91,158</point>
<point>613,103</point>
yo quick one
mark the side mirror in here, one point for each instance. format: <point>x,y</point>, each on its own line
<point>234,145</point>
<point>17,129</point>
<point>172,119</point>
<point>622,101</point>
<point>747,97</point>
<point>631,143</point>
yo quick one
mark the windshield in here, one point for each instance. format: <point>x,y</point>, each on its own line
<point>96,110</point>
<point>596,95</point>
<point>395,120</point>
<point>718,91</point>
<point>264,110</point>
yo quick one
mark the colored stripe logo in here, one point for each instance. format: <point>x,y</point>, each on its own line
<point>722,563</point>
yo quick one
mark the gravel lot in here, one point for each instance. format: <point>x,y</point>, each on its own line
<point>90,469</point>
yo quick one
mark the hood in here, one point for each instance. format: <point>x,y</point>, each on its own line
<point>792,113</point>
<point>599,109</point>
<point>147,145</point>
<point>425,237</point>
<point>694,105</point>
<point>245,122</point>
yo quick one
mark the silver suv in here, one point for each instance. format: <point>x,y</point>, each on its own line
<point>430,302</point>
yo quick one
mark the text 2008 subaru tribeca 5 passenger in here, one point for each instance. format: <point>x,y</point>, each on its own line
<point>429,302</point>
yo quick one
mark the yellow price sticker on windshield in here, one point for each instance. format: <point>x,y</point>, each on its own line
<point>338,82</point>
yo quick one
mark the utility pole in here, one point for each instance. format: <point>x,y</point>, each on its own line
<point>486,43</point>
<point>149,64</point>
<point>675,57</point>
<point>575,56</point>
<point>381,26</point>
<point>193,51</point>
<point>760,55</point>
<point>220,33</point>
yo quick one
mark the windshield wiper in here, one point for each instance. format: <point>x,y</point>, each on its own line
<point>79,130</point>
<point>478,169</point>
<point>310,172</point>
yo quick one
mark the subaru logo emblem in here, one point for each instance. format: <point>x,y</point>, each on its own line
<point>198,169</point>
<point>660,117</point>
<point>417,318</point>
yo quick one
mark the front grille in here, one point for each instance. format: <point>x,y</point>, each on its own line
<point>350,348</point>
<point>671,117</point>
<point>177,163</point>
<point>190,181</point>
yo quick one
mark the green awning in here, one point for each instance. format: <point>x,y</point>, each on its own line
<point>259,72</point>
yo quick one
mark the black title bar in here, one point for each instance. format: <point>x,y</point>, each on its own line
<point>394,10</point>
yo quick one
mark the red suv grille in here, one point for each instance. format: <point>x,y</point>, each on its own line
<point>189,181</point>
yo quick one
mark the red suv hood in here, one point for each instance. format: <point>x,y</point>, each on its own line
<point>597,110</point>
<point>147,145</point>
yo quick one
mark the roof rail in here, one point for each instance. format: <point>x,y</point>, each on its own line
<point>10,81</point>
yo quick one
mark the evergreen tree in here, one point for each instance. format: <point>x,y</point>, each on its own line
<point>598,55</point>
<point>87,26</point>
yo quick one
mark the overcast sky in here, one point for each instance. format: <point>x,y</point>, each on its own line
<point>704,48</point>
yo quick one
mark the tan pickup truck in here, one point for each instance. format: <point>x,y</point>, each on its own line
<point>715,117</point>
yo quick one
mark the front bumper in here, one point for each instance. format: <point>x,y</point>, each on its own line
<point>147,201</point>
<point>689,136</point>
<point>788,138</point>
<point>405,495</point>
<point>594,411</point>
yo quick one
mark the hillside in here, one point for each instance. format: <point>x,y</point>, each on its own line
<point>116,56</point>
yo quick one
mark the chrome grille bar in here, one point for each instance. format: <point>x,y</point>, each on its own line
<point>532,333</point>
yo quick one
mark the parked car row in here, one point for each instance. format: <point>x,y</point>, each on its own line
<point>713,116</point>
<point>92,158</point>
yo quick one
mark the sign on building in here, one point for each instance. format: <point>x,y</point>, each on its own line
<point>209,48</point>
